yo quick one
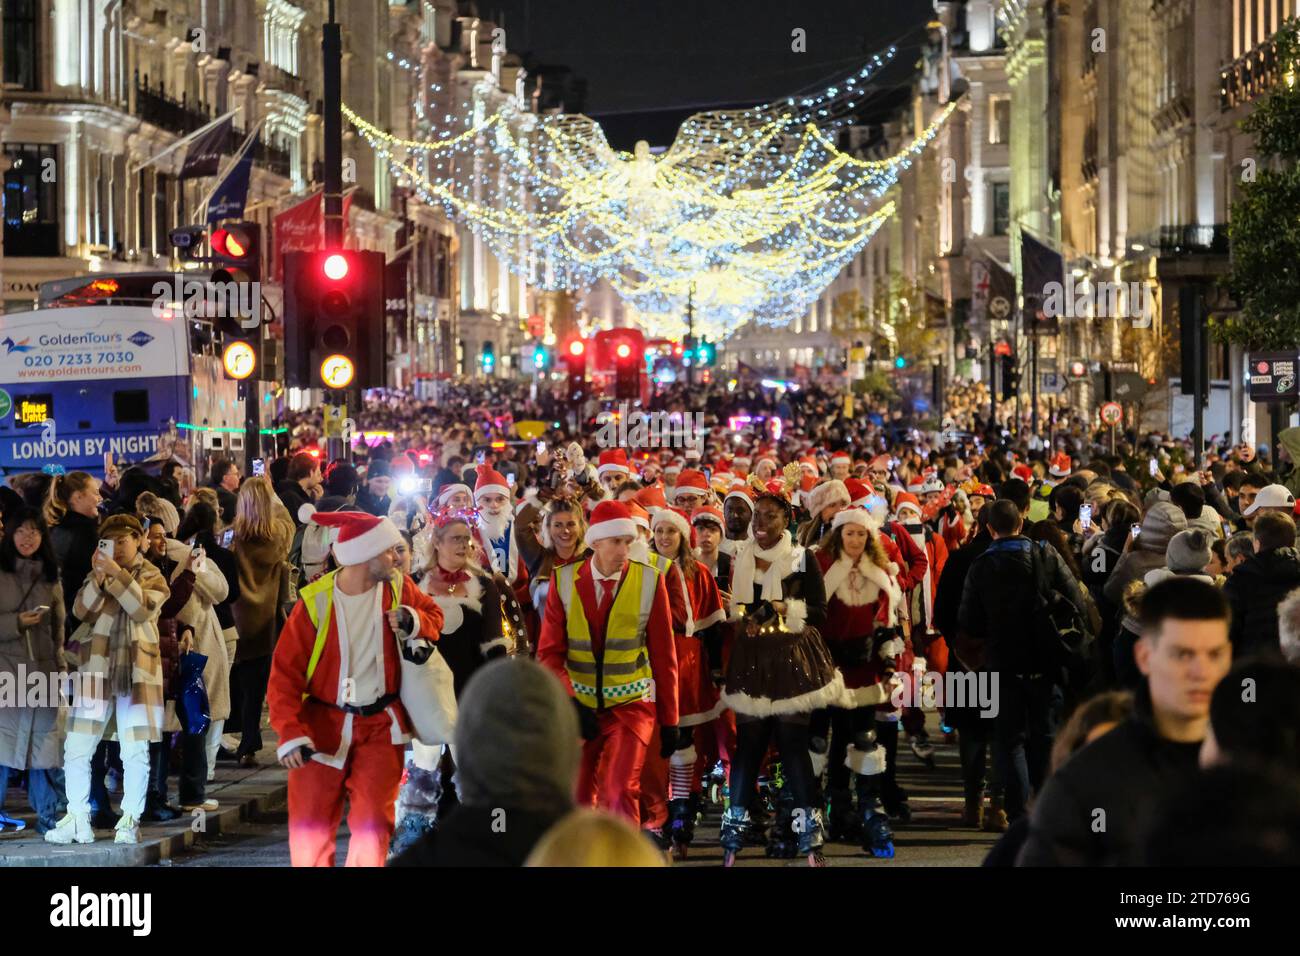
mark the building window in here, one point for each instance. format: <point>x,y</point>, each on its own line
<point>21,53</point>
<point>280,35</point>
<point>1001,208</point>
<point>999,120</point>
<point>31,204</point>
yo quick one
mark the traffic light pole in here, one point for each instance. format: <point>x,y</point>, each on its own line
<point>332,60</point>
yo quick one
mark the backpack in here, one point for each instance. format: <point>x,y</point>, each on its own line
<point>1062,638</point>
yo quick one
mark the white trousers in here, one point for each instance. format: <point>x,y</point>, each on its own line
<point>215,727</point>
<point>79,748</point>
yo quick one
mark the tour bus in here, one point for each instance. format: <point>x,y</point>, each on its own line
<point>100,369</point>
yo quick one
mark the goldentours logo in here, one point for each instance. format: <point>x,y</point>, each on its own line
<point>1100,300</point>
<point>626,428</point>
<point>200,298</point>
<point>76,909</point>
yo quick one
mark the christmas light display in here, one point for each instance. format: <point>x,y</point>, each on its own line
<point>749,213</point>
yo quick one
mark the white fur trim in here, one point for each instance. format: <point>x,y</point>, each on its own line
<point>290,745</point>
<point>869,696</point>
<point>825,696</point>
<point>445,495</point>
<point>855,516</point>
<point>796,615</point>
<point>369,544</point>
<point>694,720</point>
<point>684,757</point>
<point>868,763</point>
<point>668,516</point>
<point>491,490</point>
<point>488,645</point>
<point>614,528</point>
<point>838,573</point>
<point>605,469</point>
<point>305,511</point>
<point>891,648</point>
<point>716,617</point>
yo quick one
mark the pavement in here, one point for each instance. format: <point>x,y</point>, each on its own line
<point>242,795</point>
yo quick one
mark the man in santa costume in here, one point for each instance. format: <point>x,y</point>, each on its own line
<point>333,691</point>
<point>612,470</point>
<point>494,530</point>
<point>691,490</point>
<point>607,634</point>
<point>841,465</point>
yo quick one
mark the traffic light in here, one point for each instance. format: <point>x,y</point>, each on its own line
<point>334,333</point>
<point>489,358</point>
<point>705,354</point>
<point>1010,377</point>
<point>575,357</point>
<point>540,357</point>
<point>627,370</point>
<point>237,252</point>
<point>900,362</point>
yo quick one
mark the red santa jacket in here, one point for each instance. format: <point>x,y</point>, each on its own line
<point>852,616</point>
<point>552,646</point>
<point>318,720</point>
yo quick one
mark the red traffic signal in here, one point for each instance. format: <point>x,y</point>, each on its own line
<point>577,347</point>
<point>335,266</point>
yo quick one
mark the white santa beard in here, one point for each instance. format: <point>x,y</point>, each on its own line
<point>494,526</point>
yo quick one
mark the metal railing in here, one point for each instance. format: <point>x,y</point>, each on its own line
<point>175,116</point>
<point>1248,76</point>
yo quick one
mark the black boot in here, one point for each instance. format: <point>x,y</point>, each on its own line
<point>842,824</point>
<point>417,808</point>
<point>681,826</point>
<point>156,807</point>
<point>877,838</point>
<point>782,842</point>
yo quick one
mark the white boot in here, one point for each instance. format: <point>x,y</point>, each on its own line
<point>73,828</point>
<point>128,830</point>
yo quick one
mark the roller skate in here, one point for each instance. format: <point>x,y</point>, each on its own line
<point>877,838</point>
<point>417,807</point>
<point>681,826</point>
<point>810,834</point>
<point>922,749</point>
<point>731,836</point>
<point>782,841</point>
<point>842,824</point>
<point>716,784</point>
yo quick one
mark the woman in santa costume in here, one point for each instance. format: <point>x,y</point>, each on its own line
<point>471,635</point>
<point>697,695</point>
<point>334,691</point>
<point>716,740</point>
<point>779,671</point>
<point>863,602</point>
<point>607,634</point>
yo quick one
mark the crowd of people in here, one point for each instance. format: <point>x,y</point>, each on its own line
<point>456,622</point>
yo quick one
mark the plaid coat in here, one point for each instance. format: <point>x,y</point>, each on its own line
<point>123,623</point>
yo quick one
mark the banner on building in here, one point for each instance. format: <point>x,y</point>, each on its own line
<point>1043,271</point>
<point>203,157</point>
<point>228,200</point>
<point>301,228</point>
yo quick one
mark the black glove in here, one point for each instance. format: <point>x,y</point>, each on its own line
<point>587,725</point>
<point>669,738</point>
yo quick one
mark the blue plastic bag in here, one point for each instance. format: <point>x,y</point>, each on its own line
<point>192,701</point>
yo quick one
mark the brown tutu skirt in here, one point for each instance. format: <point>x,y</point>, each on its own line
<point>781,673</point>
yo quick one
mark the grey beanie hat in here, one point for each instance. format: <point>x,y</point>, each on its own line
<point>1163,520</point>
<point>517,738</point>
<point>1188,551</point>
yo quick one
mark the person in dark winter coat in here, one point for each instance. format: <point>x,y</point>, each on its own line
<point>72,513</point>
<point>1093,810</point>
<point>301,486</point>
<point>374,498</point>
<point>997,594</point>
<point>517,751</point>
<point>1259,584</point>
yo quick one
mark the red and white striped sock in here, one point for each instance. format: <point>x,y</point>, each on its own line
<point>679,780</point>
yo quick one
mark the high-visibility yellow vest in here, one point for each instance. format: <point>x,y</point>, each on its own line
<point>622,673</point>
<point>319,599</point>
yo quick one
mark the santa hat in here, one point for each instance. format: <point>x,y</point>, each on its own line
<point>651,498</point>
<point>767,457</point>
<point>855,516</point>
<point>905,499</point>
<point>610,519</point>
<point>916,485</point>
<point>692,454</point>
<point>808,463</point>
<point>984,491</point>
<point>828,493</point>
<point>1024,473</point>
<point>673,469</point>
<point>613,460</point>
<point>741,461</point>
<point>708,513</point>
<point>639,515</point>
<point>692,482</point>
<point>841,456</point>
<point>490,482</point>
<point>880,461</point>
<point>742,492</point>
<point>721,480</point>
<point>858,492</point>
<point>401,465</point>
<point>1061,465</point>
<point>444,496</point>
<point>677,518</point>
<point>360,536</point>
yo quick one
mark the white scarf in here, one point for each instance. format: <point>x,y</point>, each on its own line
<point>784,558</point>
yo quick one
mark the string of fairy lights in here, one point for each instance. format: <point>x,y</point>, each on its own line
<point>749,213</point>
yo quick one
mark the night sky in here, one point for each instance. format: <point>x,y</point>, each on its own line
<point>649,64</point>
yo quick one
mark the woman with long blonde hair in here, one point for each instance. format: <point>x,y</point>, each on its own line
<point>263,535</point>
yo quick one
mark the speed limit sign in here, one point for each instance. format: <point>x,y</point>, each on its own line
<point>1112,413</point>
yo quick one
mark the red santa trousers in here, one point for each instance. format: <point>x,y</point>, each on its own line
<point>369,778</point>
<point>610,774</point>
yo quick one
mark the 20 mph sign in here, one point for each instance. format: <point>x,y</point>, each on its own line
<point>1112,413</point>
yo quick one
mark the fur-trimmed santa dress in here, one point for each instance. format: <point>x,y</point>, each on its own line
<point>788,671</point>
<point>697,698</point>
<point>861,597</point>
<point>471,619</point>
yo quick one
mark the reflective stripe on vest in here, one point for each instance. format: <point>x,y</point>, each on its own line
<point>624,666</point>
<point>319,599</point>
